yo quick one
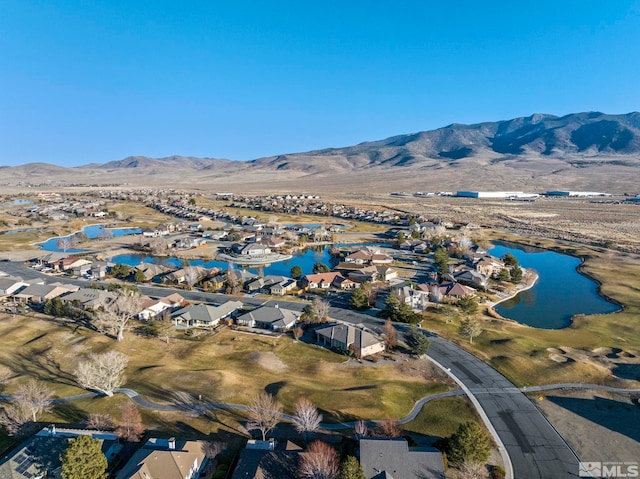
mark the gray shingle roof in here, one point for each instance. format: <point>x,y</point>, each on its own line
<point>385,458</point>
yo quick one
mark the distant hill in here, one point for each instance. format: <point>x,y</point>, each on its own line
<point>575,135</point>
<point>592,150</point>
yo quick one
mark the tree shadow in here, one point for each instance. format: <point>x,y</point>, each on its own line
<point>69,413</point>
<point>274,388</point>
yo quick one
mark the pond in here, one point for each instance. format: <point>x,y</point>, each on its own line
<point>560,292</point>
<point>92,232</point>
<point>305,258</point>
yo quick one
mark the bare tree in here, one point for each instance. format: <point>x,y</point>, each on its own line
<point>472,470</point>
<point>264,414</point>
<point>360,429</point>
<point>105,234</point>
<point>159,246</point>
<point>212,449</point>
<point>470,328</point>
<point>390,335</point>
<point>165,327</point>
<point>14,416</point>
<point>320,309</point>
<point>191,276</point>
<point>297,333</point>
<point>436,295</point>
<point>102,372</point>
<point>389,428</point>
<point>307,418</point>
<point>35,396</point>
<point>130,427</point>
<point>370,292</point>
<point>99,421</point>
<point>113,316</point>
<point>319,461</point>
<point>66,243</point>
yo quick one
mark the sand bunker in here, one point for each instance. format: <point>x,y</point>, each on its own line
<point>268,361</point>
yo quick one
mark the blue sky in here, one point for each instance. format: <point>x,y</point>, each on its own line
<point>94,81</point>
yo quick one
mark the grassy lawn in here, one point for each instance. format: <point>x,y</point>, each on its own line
<point>443,416</point>
<point>142,216</point>
<point>520,352</point>
<point>226,367</point>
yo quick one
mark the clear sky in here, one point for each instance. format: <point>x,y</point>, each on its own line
<point>98,80</point>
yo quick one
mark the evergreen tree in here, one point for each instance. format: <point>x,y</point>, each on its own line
<point>83,458</point>
<point>55,307</point>
<point>351,469</point>
<point>441,260</point>
<point>469,443</point>
<point>516,274</point>
<point>358,299</point>
<point>468,305</point>
<point>139,276</point>
<point>509,260</point>
<point>296,272</point>
<point>504,275</point>
<point>121,271</point>
<point>398,311</point>
<point>416,341</point>
<point>320,268</point>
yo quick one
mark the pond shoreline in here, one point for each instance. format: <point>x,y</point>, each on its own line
<point>566,294</point>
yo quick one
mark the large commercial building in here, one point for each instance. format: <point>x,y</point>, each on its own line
<point>576,193</point>
<point>496,194</point>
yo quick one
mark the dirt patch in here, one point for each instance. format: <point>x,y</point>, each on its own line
<point>268,361</point>
<point>598,426</point>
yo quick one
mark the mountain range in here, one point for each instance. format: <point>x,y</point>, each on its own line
<point>592,150</point>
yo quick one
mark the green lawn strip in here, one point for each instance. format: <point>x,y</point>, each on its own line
<point>442,417</point>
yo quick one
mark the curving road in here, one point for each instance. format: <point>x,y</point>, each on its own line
<point>535,449</point>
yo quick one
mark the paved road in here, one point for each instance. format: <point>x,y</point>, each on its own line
<point>536,449</point>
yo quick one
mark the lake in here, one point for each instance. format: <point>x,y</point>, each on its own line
<point>92,232</point>
<point>559,294</point>
<point>305,258</point>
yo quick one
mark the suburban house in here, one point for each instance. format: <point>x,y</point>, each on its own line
<point>284,287</point>
<point>69,263</point>
<point>10,284</point>
<point>374,273</point>
<point>39,293</point>
<point>416,298</point>
<point>251,249</point>
<point>168,459</point>
<point>471,277</point>
<point>189,275</point>
<point>323,280</point>
<point>368,256</point>
<point>39,455</point>
<point>455,290</point>
<point>264,284</point>
<point>394,459</point>
<point>489,266</point>
<point>345,283</point>
<point>204,315</point>
<point>349,338</point>
<point>99,269</point>
<point>152,308</point>
<point>268,459</point>
<point>268,317</point>
<point>88,297</point>
<point>152,271</point>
